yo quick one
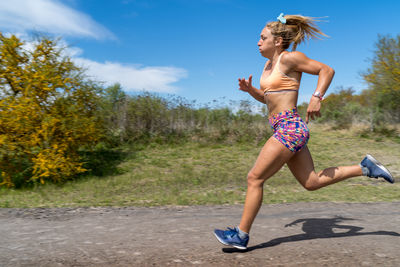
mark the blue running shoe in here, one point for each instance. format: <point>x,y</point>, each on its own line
<point>231,237</point>
<point>376,169</point>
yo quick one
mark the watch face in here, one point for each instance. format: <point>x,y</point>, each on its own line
<point>317,93</point>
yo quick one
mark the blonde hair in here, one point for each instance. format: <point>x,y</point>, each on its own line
<point>296,30</point>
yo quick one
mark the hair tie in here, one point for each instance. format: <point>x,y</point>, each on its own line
<point>281,18</point>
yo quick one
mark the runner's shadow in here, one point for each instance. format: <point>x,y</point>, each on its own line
<point>316,228</point>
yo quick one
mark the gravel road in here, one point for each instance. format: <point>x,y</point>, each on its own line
<point>300,234</point>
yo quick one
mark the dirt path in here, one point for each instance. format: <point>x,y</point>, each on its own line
<point>321,234</point>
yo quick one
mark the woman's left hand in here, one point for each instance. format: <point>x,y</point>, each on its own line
<point>313,109</point>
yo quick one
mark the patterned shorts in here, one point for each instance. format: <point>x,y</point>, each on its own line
<point>290,129</point>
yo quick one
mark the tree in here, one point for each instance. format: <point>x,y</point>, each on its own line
<point>383,78</point>
<point>342,108</point>
<point>47,112</point>
<point>114,104</point>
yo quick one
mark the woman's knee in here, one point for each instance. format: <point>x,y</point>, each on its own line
<point>311,183</point>
<point>311,186</point>
<point>253,179</point>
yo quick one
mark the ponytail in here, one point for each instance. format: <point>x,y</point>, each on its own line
<point>294,29</point>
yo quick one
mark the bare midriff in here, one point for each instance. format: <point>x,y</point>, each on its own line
<point>281,101</point>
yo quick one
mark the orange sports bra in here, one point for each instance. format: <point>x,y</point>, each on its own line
<point>278,81</point>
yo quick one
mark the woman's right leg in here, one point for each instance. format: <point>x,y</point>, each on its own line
<point>270,160</point>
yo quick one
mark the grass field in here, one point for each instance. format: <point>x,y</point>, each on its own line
<point>206,174</point>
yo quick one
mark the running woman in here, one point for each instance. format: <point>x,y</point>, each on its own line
<point>280,82</point>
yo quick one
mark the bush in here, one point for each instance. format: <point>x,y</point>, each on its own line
<point>48,112</point>
<point>146,117</point>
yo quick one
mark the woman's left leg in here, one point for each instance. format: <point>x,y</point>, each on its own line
<point>302,167</point>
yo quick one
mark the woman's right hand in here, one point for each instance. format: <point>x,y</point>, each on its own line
<point>245,85</point>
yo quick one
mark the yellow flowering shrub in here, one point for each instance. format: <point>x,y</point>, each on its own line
<point>47,113</point>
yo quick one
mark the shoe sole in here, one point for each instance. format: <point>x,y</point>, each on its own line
<point>226,244</point>
<point>371,158</point>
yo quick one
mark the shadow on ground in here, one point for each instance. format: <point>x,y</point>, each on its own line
<point>103,162</point>
<point>315,228</point>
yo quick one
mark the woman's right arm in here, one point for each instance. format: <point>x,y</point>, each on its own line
<point>245,86</point>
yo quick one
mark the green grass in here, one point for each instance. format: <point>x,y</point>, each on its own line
<point>199,174</point>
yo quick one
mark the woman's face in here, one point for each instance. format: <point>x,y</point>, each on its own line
<point>266,44</point>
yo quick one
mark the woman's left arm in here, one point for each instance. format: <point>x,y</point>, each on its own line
<point>298,61</point>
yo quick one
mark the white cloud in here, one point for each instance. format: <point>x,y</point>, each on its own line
<point>49,16</point>
<point>133,77</point>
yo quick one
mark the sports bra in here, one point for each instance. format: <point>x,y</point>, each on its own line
<point>278,81</point>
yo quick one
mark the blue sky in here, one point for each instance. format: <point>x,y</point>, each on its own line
<point>198,49</point>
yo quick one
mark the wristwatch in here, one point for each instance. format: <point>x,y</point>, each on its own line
<point>318,94</point>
